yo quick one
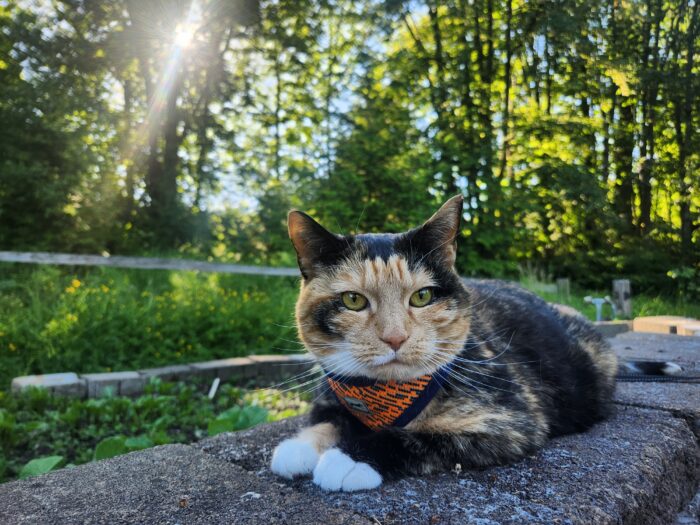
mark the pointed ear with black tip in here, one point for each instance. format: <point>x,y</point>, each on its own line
<point>438,236</point>
<point>316,247</point>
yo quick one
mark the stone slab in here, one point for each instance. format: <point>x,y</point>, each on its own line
<point>613,328</point>
<point>120,383</point>
<point>167,373</point>
<point>660,324</point>
<point>683,350</point>
<point>225,369</point>
<point>66,384</point>
<point>682,399</point>
<point>691,328</point>
<point>639,467</point>
<point>165,485</point>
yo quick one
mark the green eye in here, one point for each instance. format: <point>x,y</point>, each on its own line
<point>421,297</point>
<point>353,301</point>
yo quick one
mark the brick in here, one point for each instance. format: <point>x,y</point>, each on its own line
<point>168,373</point>
<point>65,384</point>
<point>99,383</point>
<point>225,369</point>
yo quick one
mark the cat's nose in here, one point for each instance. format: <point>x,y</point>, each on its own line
<point>395,341</point>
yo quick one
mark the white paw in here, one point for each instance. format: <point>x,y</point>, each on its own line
<point>294,457</point>
<point>338,471</point>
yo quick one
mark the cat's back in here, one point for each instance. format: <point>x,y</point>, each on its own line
<point>559,351</point>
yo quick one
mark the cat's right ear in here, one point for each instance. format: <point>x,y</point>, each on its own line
<point>316,247</point>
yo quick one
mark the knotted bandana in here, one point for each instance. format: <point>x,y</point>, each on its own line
<point>381,404</point>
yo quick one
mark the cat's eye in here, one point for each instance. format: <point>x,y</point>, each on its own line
<point>353,301</point>
<point>421,298</point>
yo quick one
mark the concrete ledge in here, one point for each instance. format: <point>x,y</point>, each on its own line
<point>169,484</point>
<point>640,467</point>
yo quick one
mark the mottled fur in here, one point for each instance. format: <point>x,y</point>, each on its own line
<point>522,370</point>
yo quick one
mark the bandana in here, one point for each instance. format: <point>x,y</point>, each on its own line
<point>381,404</point>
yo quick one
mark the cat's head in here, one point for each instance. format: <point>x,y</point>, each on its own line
<point>383,306</point>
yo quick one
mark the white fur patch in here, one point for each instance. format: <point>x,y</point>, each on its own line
<point>338,471</point>
<point>294,457</point>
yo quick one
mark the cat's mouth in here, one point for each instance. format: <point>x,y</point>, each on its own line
<point>390,358</point>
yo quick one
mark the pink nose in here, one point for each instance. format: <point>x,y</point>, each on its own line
<point>395,341</point>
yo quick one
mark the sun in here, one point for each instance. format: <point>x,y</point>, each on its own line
<point>186,31</point>
<point>184,34</point>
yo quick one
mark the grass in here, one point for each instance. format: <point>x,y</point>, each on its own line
<point>102,319</point>
<point>39,432</point>
<point>59,319</point>
<point>642,304</point>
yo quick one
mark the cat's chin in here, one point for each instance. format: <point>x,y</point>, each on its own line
<point>396,371</point>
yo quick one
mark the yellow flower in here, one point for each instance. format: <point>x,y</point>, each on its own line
<point>70,289</point>
<point>75,283</point>
<point>104,288</point>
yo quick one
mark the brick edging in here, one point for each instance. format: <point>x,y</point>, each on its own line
<point>262,368</point>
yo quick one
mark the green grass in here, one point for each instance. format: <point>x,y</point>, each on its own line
<point>60,319</point>
<point>39,432</point>
<point>94,320</point>
<point>642,305</point>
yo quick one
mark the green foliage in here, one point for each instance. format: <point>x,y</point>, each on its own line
<point>39,432</point>
<point>41,466</point>
<point>110,447</point>
<point>688,279</point>
<point>569,127</point>
<point>55,320</point>
<point>237,418</point>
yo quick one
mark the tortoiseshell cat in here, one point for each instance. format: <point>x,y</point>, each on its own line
<point>429,372</point>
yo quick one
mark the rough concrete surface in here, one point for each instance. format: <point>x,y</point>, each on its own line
<point>616,473</point>
<point>640,467</point>
<point>683,350</point>
<point>165,485</point>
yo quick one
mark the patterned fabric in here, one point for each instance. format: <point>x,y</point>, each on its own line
<point>381,404</point>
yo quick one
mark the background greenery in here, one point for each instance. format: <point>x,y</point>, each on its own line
<point>571,127</point>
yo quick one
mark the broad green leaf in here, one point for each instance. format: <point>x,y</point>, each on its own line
<point>217,426</point>
<point>138,442</point>
<point>110,447</point>
<point>39,466</point>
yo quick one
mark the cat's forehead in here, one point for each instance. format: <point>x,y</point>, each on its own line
<point>380,275</point>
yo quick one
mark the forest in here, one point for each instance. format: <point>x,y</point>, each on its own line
<point>191,127</point>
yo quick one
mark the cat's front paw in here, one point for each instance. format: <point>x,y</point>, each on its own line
<point>338,471</point>
<point>294,457</point>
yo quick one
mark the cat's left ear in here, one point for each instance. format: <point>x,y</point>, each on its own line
<point>439,233</point>
<point>316,247</point>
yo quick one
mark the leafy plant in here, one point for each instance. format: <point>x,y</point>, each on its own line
<point>237,418</point>
<point>41,466</point>
<point>37,426</point>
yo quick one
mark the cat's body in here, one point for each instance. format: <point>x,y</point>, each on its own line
<point>513,369</point>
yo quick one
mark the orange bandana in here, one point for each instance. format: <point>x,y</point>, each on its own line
<point>380,404</point>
